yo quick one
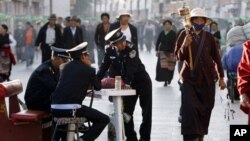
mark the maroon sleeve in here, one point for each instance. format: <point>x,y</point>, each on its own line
<point>244,70</point>
<point>181,52</point>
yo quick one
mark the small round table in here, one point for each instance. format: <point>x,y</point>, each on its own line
<point>118,118</point>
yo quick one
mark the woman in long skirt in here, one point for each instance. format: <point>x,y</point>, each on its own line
<point>165,52</point>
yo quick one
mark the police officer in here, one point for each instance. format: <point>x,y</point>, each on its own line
<point>123,57</point>
<point>43,81</point>
<point>74,81</point>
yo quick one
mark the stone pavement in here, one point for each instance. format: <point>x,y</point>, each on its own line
<point>166,103</point>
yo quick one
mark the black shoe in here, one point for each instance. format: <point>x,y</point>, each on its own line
<point>165,84</point>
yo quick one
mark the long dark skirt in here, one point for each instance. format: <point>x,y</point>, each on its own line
<point>163,74</point>
<point>197,104</point>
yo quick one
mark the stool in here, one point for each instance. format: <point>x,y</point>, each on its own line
<point>72,122</point>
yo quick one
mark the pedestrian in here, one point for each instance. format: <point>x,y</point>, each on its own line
<point>149,34</point>
<point>244,79</point>
<point>91,40</point>
<point>165,52</point>
<point>101,31</point>
<point>49,35</point>
<point>72,34</point>
<point>43,81</point>
<point>217,36</point>
<point>230,62</point>
<point>19,35</point>
<point>30,36</point>
<point>7,58</point>
<point>123,57</point>
<point>140,26</point>
<point>127,28</point>
<point>60,24</point>
<point>74,81</point>
<point>199,76</point>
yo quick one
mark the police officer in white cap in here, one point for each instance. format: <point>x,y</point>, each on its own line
<point>74,81</point>
<point>122,56</point>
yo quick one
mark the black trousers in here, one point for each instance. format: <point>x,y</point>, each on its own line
<point>46,52</point>
<point>197,104</point>
<point>98,119</point>
<point>143,86</point>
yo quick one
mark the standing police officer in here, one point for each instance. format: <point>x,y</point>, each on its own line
<point>43,81</point>
<point>123,57</point>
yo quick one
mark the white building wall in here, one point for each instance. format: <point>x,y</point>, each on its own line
<point>60,7</point>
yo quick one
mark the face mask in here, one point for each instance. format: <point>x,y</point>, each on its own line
<point>198,27</point>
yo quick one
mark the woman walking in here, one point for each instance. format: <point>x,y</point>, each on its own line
<point>165,52</point>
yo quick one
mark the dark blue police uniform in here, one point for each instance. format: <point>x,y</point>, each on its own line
<point>75,79</point>
<point>42,83</point>
<point>127,64</point>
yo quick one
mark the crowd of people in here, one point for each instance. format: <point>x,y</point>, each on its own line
<point>118,44</point>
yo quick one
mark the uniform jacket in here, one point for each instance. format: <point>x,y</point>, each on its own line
<point>126,63</point>
<point>41,84</point>
<point>70,40</point>
<point>209,66</point>
<point>74,81</point>
<point>133,31</point>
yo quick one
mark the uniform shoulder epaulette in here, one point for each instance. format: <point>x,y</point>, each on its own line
<point>130,45</point>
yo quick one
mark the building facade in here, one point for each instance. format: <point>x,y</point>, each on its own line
<point>21,7</point>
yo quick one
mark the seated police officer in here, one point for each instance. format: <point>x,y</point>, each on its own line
<point>43,81</point>
<point>74,81</point>
<point>122,56</point>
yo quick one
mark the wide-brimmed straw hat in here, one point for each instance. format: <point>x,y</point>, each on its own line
<point>199,12</point>
<point>124,13</point>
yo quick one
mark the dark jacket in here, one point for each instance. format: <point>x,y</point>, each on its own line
<point>41,84</point>
<point>70,40</point>
<point>132,29</point>
<point>75,79</point>
<point>100,34</point>
<point>209,66</point>
<point>127,64</point>
<point>166,42</point>
<point>217,35</point>
<point>4,40</point>
<point>41,38</point>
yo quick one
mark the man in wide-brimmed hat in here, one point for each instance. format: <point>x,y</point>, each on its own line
<point>127,29</point>
<point>199,76</point>
<point>49,35</point>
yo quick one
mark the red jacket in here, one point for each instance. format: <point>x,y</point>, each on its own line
<point>244,73</point>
